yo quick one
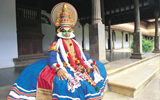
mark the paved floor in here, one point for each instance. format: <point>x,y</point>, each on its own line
<point>9,75</point>
<point>7,78</point>
<point>116,54</point>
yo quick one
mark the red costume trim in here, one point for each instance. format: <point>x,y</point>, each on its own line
<point>78,54</point>
<point>65,27</point>
<point>69,55</point>
<point>76,48</point>
<point>45,83</point>
<point>45,78</point>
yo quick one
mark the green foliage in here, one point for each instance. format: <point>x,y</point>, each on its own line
<point>147,45</point>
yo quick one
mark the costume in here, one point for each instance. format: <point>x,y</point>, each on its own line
<point>41,80</point>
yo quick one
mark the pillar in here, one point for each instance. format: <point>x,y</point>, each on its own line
<point>122,40</point>
<point>156,37</point>
<point>109,35</point>
<point>96,12</point>
<point>137,36</point>
<point>113,34</point>
<point>97,34</point>
<point>129,40</point>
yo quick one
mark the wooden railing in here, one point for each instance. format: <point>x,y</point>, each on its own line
<point>29,30</point>
<point>27,12</point>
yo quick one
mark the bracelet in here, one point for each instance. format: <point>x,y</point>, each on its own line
<point>57,67</point>
<point>58,70</point>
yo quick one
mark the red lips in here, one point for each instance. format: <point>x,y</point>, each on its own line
<point>67,35</point>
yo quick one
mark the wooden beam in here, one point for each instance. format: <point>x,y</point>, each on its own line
<point>108,6</point>
<point>128,11</point>
<point>114,8</point>
<point>118,5</point>
<point>124,5</point>
<point>119,19</point>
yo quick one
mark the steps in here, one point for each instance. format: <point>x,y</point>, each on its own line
<point>27,60</point>
<point>132,82</point>
<point>130,76</point>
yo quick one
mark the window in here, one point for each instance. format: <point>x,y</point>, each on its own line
<point>126,37</point>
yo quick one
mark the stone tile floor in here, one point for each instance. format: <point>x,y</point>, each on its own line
<point>7,78</point>
<point>9,75</point>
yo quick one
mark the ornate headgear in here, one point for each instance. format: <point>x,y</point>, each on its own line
<point>64,14</point>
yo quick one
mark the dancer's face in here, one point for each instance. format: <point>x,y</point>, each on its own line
<point>66,32</point>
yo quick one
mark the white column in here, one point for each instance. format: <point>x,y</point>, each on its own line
<point>8,35</point>
<point>129,40</point>
<point>122,40</point>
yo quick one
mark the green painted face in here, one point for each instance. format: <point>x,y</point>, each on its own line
<point>66,32</point>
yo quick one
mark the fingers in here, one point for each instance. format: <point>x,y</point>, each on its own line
<point>62,74</point>
<point>65,77</point>
<point>59,77</point>
<point>62,78</point>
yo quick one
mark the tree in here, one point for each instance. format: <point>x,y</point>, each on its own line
<point>147,45</point>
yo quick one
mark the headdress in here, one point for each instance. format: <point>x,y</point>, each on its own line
<point>64,14</point>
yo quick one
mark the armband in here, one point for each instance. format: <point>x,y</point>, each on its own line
<point>52,47</point>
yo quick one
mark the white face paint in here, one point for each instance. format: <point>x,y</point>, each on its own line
<point>66,33</point>
<point>61,36</point>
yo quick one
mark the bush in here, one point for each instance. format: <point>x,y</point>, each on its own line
<point>147,45</point>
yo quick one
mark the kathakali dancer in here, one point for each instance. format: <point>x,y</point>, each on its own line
<point>68,73</point>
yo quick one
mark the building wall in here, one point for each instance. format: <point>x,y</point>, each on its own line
<point>49,32</point>
<point>126,43</point>
<point>86,32</point>
<point>118,39</point>
<point>106,38</point>
<point>118,42</point>
<point>8,34</point>
<point>159,41</point>
<point>78,32</point>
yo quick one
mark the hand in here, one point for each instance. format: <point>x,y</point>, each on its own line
<point>95,67</point>
<point>62,74</point>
